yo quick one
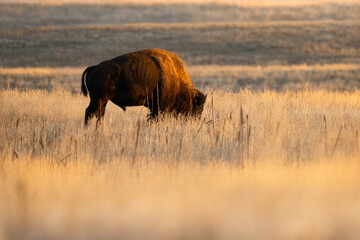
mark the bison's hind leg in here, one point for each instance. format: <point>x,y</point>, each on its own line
<point>95,108</point>
<point>92,110</point>
<point>101,112</point>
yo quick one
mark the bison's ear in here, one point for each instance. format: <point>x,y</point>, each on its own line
<point>200,98</point>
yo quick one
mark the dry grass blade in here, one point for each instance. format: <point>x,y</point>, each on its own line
<point>336,142</point>
<point>325,136</point>
<point>138,125</point>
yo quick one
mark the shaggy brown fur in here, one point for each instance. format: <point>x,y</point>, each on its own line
<point>154,78</point>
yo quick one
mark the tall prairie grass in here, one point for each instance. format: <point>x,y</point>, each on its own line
<point>257,165</point>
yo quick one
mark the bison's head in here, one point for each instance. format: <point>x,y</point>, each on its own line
<point>198,103</point>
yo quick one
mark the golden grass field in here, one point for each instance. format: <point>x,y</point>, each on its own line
<point>229,77</point>
<point>275,154</point>
<point>283,172</point>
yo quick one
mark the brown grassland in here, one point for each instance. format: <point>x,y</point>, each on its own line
<point>275,155</point>
<point>258,164</point>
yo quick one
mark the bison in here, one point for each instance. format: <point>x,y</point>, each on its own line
<point>154,78</point>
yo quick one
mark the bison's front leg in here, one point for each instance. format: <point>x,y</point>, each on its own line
<point>154,112</point>
<point>153,105</point>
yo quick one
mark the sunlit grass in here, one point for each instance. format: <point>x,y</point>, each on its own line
<point>41,199</point>
<point>230,77</point>
<point>257,165</point>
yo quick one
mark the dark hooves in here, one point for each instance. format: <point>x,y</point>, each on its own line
<point>151,118</point>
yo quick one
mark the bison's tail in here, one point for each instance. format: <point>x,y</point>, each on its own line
<point>84,89</point>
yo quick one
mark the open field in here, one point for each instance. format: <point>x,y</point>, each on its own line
<point>222,34</point>
<point>289,169</point>
<point>275,154</point>
<point>250,39</point>
<point>231,78</point>
<point>292,120</point>
<point>244,43</point>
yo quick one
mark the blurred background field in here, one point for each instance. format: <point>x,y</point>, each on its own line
<point>229,78</point>
<point>250,39</point>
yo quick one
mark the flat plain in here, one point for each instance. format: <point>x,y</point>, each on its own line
<point>251,40</point>
<point>275,154</point>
